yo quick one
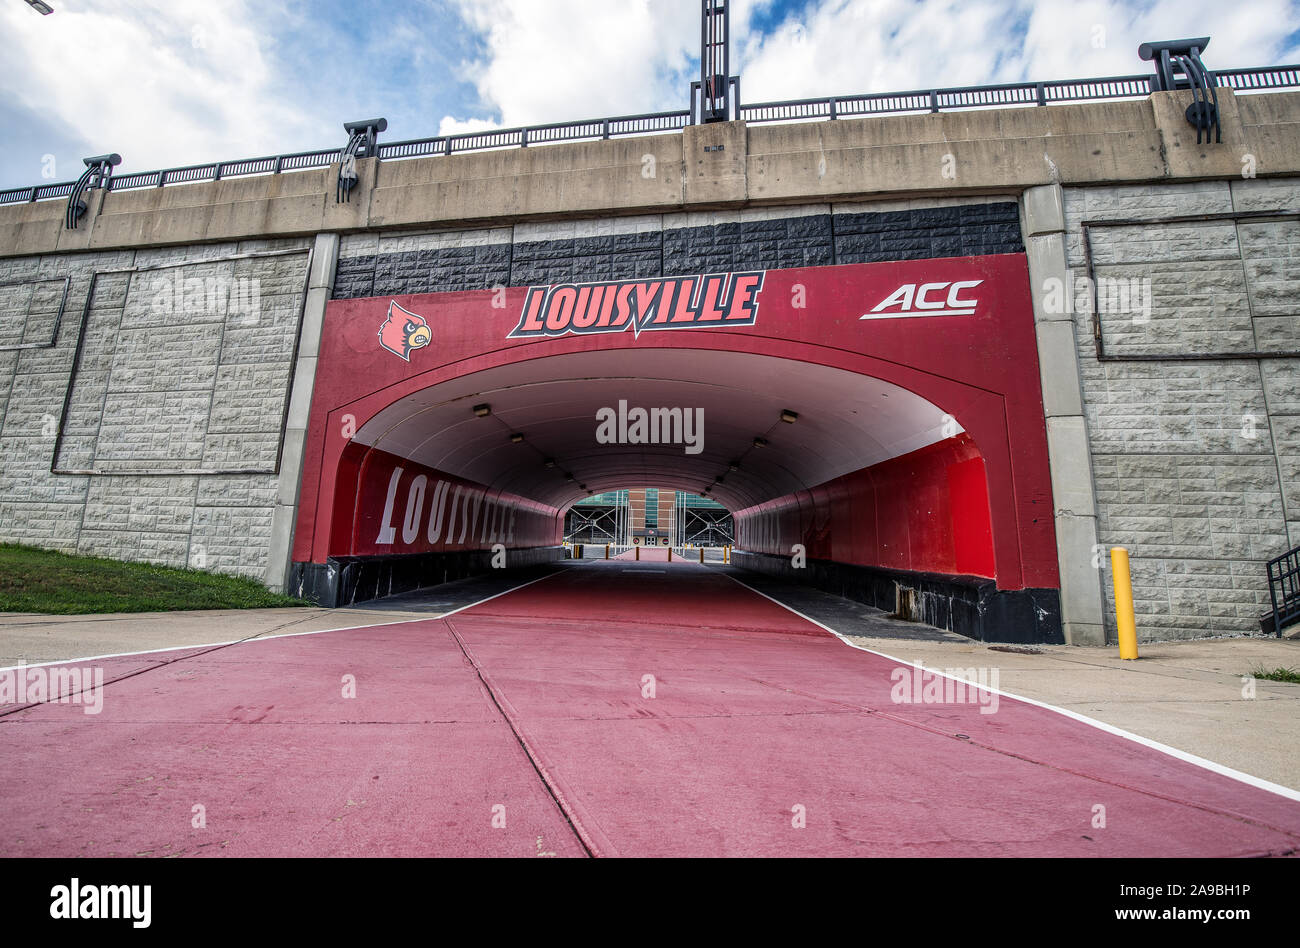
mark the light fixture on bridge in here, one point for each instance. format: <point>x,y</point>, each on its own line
<point>98,174</point>
<point>1179,66</point>
<point>516,438</point>
<point>40,7</point>
<point>363,142</point>
<point>482,411</point>
<point>760,442</point>
<point>789,417</point>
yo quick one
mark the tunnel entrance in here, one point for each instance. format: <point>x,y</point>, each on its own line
<point>856,441</point>
<point>649,516</point>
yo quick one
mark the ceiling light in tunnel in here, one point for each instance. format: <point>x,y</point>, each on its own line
<point>482,411</point>
<point>583,487</point>
<point>568,477</point>
<point>789,417</point>
<point>760,442</point>
<point>734,466</point>
<point>549,462</point>
<point>719,479</point>
<point>516,438</point>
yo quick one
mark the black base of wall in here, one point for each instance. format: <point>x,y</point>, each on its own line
<point>347,580</point>
<point>968,605</point>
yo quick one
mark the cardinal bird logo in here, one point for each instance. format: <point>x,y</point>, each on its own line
<point>404,331</point>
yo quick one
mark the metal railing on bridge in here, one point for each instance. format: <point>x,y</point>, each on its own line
<point>1009,94</point>
<point>830,108</point>
<point>1284,589</point>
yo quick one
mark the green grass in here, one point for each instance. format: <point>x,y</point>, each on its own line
<point>44,581</point>
<point>1289,675</point>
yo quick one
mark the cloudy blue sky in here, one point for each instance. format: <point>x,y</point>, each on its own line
<point>174,82</point>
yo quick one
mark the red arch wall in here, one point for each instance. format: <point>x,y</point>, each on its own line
<point>377,495</point>
<point>927,511</point>
<point>982,368</point>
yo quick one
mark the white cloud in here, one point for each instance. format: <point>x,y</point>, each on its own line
<point>853,46</point>
<point>176,82</point>
<point>573,59</point>
<point>452,126</point>
<point>1103,35</point>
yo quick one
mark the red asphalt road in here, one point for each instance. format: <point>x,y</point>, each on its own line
<point>533,702</point>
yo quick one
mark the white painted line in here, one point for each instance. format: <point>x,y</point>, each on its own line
<point>1257,782</point>
<point>920,314</point>
<point>272,638</point>
<point>645,570</point>
<point>506,593</point>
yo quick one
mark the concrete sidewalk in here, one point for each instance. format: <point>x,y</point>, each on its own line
<point>30,639</point>
<point>1189,695</point>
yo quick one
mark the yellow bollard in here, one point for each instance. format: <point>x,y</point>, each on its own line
<point>1124,620</point>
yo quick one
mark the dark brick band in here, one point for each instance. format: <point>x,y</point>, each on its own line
<point>965,230</point>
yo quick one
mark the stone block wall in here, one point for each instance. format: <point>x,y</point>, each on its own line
<point>1196,464</point>
<point>175,391</point>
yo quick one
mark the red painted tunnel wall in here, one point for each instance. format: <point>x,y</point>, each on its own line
<point>388,505</point>
<point>927,511</point>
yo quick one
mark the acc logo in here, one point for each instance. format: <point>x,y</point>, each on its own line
<point>725,299</point>
<point>404,331</point>
<point>908,301</point>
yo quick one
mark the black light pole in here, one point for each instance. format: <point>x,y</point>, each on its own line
<point>715,61</point>
<point>714,90</point>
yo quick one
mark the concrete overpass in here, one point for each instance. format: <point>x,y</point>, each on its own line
<point>147,415</point>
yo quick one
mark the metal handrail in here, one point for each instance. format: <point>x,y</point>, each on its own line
<point>602,128</point>
<point>1284,589</point>
<point>962,97</point>
<point>1261,77</point>
<point>793,110</point>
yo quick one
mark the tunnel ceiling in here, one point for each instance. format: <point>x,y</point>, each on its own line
<point>846,421</point>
